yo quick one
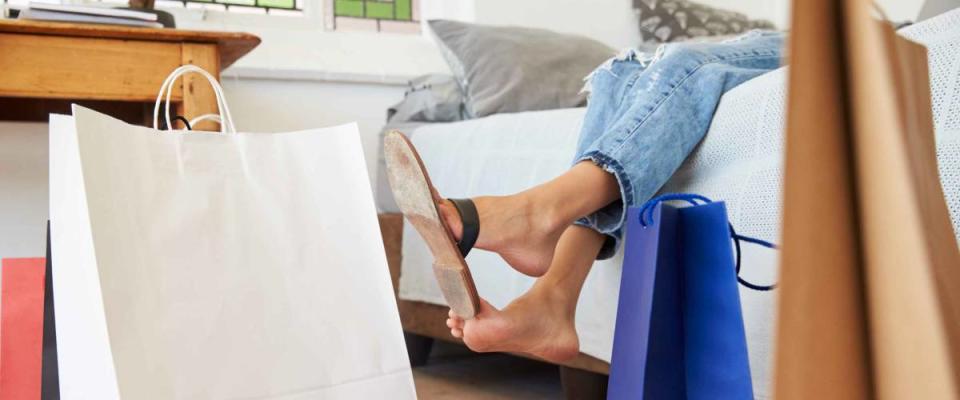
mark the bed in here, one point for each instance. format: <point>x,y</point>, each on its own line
<point>739,162</point>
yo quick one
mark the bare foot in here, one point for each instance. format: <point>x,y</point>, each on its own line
<point>531,324</point>
<point>524,228</point>
<point>514,227</point>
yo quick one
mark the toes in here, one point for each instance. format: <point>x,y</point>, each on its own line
<point>454,324</point>
<point>452,316</point>
<point>484,331</point>
<point>450,215</point>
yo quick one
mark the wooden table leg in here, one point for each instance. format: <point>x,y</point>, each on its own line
<point>198,96</point>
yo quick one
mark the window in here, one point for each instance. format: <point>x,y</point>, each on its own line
<point>389,16</point>
<point>16,3</point>
<point>280,7</point>
<point>284,7</point>
<point>398,16</point>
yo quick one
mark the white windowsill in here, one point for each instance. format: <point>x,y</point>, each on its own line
<point>298,48</point>
<point>315,75</point>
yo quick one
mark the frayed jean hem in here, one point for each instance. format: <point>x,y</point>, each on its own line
<point>609,220</point>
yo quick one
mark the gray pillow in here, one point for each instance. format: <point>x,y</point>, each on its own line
<point>512,69</point>
<point>429,98</point>
<point>676,20</point>
<point>932,8</point>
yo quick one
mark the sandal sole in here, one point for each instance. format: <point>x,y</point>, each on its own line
<point>413,192</point>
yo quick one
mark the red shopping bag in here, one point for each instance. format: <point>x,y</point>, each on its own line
<point>21,327</point>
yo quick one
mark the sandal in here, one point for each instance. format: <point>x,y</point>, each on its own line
<point>413,193</point>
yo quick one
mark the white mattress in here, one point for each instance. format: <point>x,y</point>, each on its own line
<point>739,162</point>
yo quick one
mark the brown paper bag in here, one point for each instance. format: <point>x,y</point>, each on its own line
<point>869,304</point>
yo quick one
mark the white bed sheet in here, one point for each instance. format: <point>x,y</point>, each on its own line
<point>739,161</point>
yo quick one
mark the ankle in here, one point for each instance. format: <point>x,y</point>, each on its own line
<point>546,213</point>
<point>554,298</point>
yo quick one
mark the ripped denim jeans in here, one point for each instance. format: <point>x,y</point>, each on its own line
<point>646,113</point>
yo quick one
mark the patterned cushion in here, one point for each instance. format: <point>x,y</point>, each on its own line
<point>675,20</point>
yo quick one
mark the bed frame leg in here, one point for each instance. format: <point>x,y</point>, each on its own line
<point>579,384</point>
<point>418,348</point>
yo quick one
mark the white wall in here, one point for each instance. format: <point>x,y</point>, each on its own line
<point>260,105</point>
<point>23,189</point>
<point>612,21</point>
<point>776,11</point>
<point>901,10</point>
<point>609,21</point>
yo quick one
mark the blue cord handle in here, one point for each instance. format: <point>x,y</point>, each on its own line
<point>646,218</point>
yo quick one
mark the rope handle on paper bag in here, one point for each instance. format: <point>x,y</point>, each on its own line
<point>646,218</point>
<point>166,89</point>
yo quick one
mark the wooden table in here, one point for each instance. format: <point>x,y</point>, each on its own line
<point>46,66</point>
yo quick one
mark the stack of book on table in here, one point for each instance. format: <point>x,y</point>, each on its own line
<point>91,14</point>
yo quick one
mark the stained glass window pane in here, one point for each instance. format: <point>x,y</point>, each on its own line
<point>349,8</point>
<point>404,11</point>
<point>289,4</point>
<point>238,2</point>
<point>378,10</point>
<point>398,16</point>
<point>394,10</point>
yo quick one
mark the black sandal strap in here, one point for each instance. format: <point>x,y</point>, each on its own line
<point>470,220</point>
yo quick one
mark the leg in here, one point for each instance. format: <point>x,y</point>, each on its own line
<point>541,322</point>
<point>524,228</point>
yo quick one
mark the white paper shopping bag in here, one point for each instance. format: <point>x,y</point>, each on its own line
<point>218,266</point>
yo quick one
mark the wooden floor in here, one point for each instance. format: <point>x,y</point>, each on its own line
<point>454,373</point>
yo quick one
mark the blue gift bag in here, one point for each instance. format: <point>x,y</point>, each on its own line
<point>679,331</point>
